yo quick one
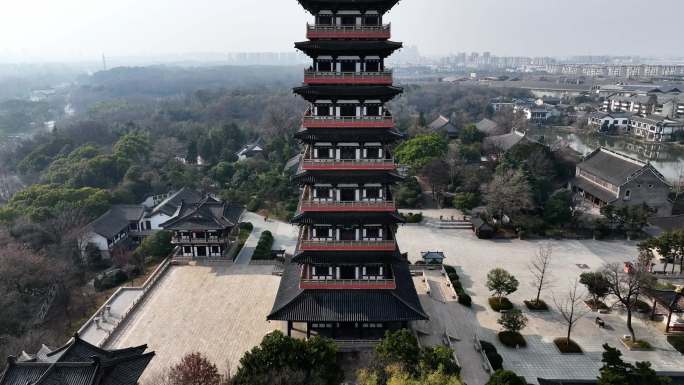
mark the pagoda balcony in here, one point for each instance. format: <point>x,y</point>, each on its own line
<point>313,121</point>
<point>334,206</point>
<point>348,164</point>
<point>324,77</point>
<point>335,245</point>
<point>330,283</point>
<point>316,31</point>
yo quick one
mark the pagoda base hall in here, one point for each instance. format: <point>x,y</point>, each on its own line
<point>347,279</point>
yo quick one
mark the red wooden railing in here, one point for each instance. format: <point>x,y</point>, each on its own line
<point>348,31</point>
<point>319,77</point>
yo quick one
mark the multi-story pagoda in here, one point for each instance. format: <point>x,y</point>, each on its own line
<point>347,279</point>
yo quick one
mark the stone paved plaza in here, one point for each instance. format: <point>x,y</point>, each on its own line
<point>217,310</point>
<point>221,310</point>
<point>474,258</point>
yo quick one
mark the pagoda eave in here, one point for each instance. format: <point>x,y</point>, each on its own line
<point>315,6</point>
<point>346,92</point>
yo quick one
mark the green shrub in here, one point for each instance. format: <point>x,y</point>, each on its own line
<point>512,339</point>
<point>110,279</point>
<point>566,346</point>
<point>537,306</point>
<point>413,218</point>
<point>264,246</point>
<point>493,356</point>
<point>505,377</point>
<point>497,304</point>
<point>677,342</point>
<point>253,205</point>
<point>465,300</point>
<point>246,226</point>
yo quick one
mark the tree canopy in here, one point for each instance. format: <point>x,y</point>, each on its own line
<point>419,151</point>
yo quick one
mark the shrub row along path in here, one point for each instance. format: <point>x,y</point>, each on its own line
<point>449,317</point>
<point>284,236</point>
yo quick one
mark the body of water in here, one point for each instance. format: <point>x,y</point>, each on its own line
<point>668,158</point>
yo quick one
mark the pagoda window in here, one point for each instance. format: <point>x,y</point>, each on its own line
<point>348,20</point>
<point>373,110</point>
<point>322,110</point>
<point>322,193</point>
<point>372,193</point>
<point>324,20</point>
<point>348,194</point>
<point>373,233</point>
<point>347,66</point>
<point>347,110</point>
<point>324,65</point>
<point>371,20</point>
<point>323,153</point>
<point>322,232</point>
<point>347,272</point>
<point>372,153</point>
<point>348,153</point>
<point>372,271</point>
<point>347,234</point>
<point>372,65</point>
<point>321,272</point>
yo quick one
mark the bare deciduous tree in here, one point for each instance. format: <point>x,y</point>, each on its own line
<point>539,267</point>
<point>625,282</point>
<point>570,308</point>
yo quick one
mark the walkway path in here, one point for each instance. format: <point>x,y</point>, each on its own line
<point>120,304</point>
<point>448,317</point>
<point>284,236</point>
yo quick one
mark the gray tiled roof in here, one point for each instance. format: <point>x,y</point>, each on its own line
<point>611,166</point>
<point>487,126</point>
<point>299,305</point>
<point>438,123</point>
<point>171,204</point>
<point>208,214</point>
<point>78,363</point>
<point>117,218</point>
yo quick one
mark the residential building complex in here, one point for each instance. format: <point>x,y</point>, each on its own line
<point>347,279</point>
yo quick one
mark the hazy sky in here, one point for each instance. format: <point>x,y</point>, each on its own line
<point>83,29</point>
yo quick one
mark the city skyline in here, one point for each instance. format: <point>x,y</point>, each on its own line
<point>77,30</point>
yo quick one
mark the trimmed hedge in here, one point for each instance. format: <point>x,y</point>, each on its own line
<point>497,304</point>
<point>512,339</point>
<point>264,246</point>
<point>413,218</point>
<point>533,305</point>
<point>463,297</point>
<point>677,342</point>
<point>567,347</point>
<point>493,356</point>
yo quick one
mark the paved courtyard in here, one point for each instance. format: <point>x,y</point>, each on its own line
<point>284,236</point>
<point>474,258</point>
<point>217,310</point>
<point>220,310</point>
